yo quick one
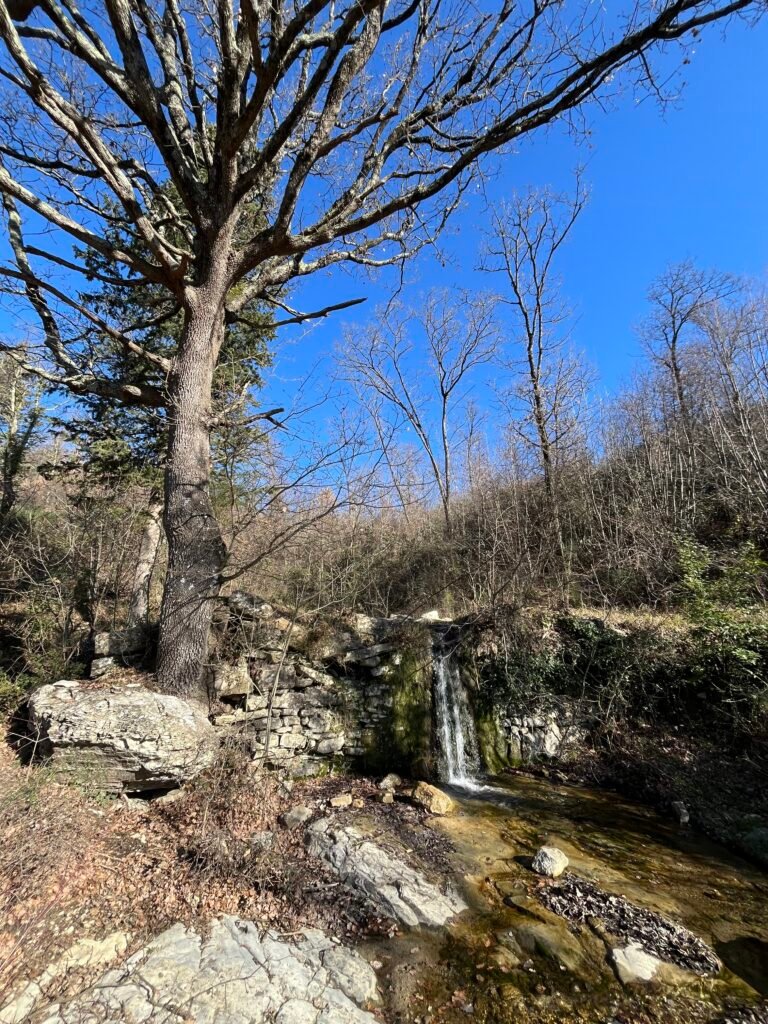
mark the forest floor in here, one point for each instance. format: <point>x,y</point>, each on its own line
<point>75,864</point>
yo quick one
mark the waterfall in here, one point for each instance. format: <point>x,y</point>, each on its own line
<point>459,757</point>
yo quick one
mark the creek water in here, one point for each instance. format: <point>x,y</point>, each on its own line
<point>624,848</point>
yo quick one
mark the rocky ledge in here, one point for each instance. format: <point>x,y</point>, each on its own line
<point>395,889</point>
<point>119,738</point>
<point>235,973</point>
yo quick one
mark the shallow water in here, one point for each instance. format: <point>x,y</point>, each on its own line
<point>566,974</point>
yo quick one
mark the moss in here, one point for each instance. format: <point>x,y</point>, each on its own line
<point>404,743</point>
<point>494,749</point>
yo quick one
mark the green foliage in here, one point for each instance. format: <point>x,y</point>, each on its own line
<point>709,675</point>
<point>13,691</point>
<point>120,441</point>
<point>711,581</point>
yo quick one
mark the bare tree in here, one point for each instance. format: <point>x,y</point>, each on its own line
<point>246,146</point>
<point>671,336</point>
<point>151,535</point>
<point>20,418</point>
<point>551,381</point>
<point>419,366</point>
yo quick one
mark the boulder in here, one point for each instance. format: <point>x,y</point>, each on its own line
<point>390,783</point>
<point>233,972</point>
<point>249,606</point>
<point>432,799</point>
<point>397,890</point>
<point>633,965</point>
<point>120,738</point>
<point>550,861</point>
<point>120,643</point>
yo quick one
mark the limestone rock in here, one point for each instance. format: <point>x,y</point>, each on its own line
<point>120,643</point>
<point>550,861</point>
<point>432,799</point>
<point>298,815</point>
<point>232,680</point>
<point>249,606</point>
<point>342,800</point>
<point>553,941</point>
<point>84,954</point>
<point>390,782</point>
<point>235,974</point>
<point>120,738</point>
<point>396,889</point>
<point>634,965</point>
<point>101,667</point>
<point>433,616</point>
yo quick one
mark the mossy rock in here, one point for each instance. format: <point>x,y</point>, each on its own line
<point>404,744</point>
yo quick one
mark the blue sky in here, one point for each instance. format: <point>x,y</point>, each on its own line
<point>689,181</point>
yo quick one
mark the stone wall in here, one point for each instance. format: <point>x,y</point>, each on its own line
<point>513,736</point>
<point>302,694</point>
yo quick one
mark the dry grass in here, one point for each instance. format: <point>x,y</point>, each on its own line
<point>49,835</point>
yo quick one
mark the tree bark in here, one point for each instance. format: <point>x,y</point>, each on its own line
<point>138,610</point>
<point>196,549</point>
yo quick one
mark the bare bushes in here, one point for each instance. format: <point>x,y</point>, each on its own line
<point>66,571</point>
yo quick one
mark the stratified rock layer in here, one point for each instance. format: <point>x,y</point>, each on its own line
<point>120,738</point>
<point>397,890</point>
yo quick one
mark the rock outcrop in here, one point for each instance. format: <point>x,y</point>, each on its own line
<point>120,738</point>
<point>235,974</point>
<point>304,693</point>
<point>393,887</point>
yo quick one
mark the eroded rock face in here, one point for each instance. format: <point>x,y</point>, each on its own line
<point>397,890</point>
<point>235,974</point>
<point>120,738</point>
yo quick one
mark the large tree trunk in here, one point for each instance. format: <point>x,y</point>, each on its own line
<point>138,609</point>
<point>196,549</point>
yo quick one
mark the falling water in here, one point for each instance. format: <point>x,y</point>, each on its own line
<point>459,759</point>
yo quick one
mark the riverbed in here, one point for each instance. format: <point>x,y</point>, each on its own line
<point>509,959</point>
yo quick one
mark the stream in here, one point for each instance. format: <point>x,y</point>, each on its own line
<point>510,960</point>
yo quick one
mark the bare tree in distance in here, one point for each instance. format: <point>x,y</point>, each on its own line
<point>550,382</point>
<point>671,335</point>
<point>419,366</point>
<point>679,300</point>
<point>245,147</point>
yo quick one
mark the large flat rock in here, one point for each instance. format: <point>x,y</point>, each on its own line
<point>234,974</point>
<point>395,888</point>
<point>120,738</point>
